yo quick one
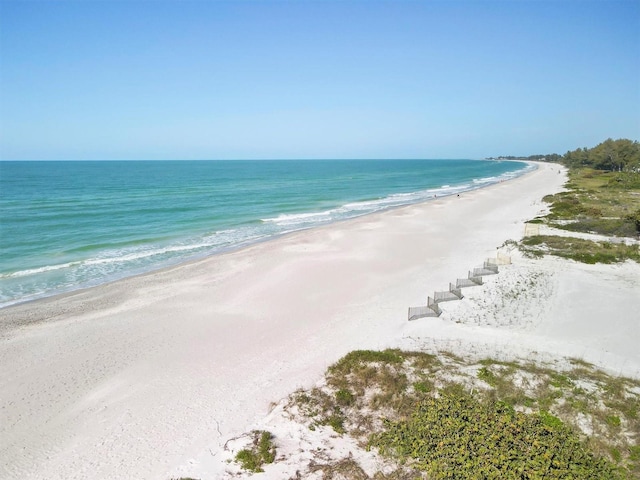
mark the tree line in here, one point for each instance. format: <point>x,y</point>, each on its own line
<point>622,155</point>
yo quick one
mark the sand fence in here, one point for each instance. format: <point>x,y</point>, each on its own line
<point>474,278</point>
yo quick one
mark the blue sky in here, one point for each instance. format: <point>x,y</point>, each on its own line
<point>315,79</point>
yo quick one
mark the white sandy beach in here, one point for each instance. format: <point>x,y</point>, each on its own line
<point>145,377</point>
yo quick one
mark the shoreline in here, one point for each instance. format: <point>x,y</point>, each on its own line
<point>150,269</point>
<point>136,377</point>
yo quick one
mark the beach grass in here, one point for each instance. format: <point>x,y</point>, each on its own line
<point>595,202</point>
<point>443,415</point>
<point>606,203</point>
<point>578,249</point>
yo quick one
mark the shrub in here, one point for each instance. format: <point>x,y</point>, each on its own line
<point>357,358</point>
<point>635,219</point>
<point>344,397</point>
<point>459,436</point>
<point>262,451</point>
<point>487,375</point>
<point>514,405</point>
<point>422,387</point>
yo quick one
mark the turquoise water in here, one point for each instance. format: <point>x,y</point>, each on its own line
<point>70,225</point>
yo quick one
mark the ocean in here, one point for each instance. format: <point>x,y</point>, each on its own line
<point>66,225</point>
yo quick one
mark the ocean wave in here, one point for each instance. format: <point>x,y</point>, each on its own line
<point>353,209</point>
<point>293,218</point>
<point>39,270</point>
<point>100,262</point>
<point>133,255</point>
<point>482,181</point>
<point>242,236</point>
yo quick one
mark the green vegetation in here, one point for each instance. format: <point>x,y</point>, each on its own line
<point>603,197</point>
<point>461,436</point>
<point>585,251</point>
<point>349,469</point>
<point>454,418</point>
<point>549,157</point>
<point>607,203</point>
<point>612,155</point>
<point>262,451</point>
<point>597,202</point>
